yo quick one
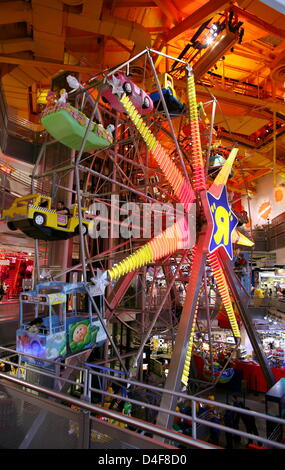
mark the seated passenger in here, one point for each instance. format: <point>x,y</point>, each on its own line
<point>43,204</point>
<point>61,209</point>
<point>36,326</point>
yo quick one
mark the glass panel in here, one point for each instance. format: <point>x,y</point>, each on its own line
<point>57,317</point>
<point>24,424</point>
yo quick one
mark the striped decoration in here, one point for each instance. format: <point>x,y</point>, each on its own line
<point>170,240</point>
<point>187,363</point>
<point>224,292</point>
<point>199,180</point>
<point>178,182</point>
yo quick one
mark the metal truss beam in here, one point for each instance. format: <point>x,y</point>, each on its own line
<point>155,317</point>
<point>118,292</point>
<point>196,18</point>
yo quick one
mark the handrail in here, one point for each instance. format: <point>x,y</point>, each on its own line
<point>129,382</point>
<point>24,180</point>
<point>152,428</point>
<point>14,352</point>
<point>196,421</point>
<point>25,123</point>
<point>196,399</point>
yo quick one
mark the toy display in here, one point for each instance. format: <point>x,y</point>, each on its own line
<point>174,106</point>
<point>57,331</point>
<point>118,84</point>
<point>34,216</point>
<point>225,377</point>
<point>68,125</point>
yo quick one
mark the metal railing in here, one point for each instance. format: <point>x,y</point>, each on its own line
<point>269,302</point>
<point>20,182</point>
<point>25,129</point>
<point>134,389</point>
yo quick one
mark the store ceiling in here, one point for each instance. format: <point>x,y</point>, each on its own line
<point>38,39</point>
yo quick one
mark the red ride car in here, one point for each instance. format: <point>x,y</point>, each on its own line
<point>118,84</point>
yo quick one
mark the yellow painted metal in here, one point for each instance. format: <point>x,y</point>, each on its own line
<point>224,173</point>
<point>241,239</point>
<point>25,208</point>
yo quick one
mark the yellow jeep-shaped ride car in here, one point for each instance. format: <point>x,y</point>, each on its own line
<point>28,214</point>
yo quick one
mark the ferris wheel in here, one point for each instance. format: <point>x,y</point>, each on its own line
<point>216,234</point>
<point>151,152</point>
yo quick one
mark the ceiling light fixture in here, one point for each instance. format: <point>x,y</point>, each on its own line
<point>210,40</point>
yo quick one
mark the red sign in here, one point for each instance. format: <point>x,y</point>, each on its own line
<point>61,219</point>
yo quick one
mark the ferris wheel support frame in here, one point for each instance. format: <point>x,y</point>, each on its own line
<point>196,276</point>
<point>155,317</point>
<point>173,381</point>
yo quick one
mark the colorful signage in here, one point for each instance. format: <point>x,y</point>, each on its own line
<point>61,219</point>
<point>81,335</point>
<point>224,222</point>
<point>34,299</point>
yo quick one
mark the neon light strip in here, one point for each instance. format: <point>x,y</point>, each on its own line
<point>170,240</point>
<point>224,292</point>
<point>222,176</point>
<point>241,239</point>
<point>187,363</point>
<point>176,179</point>
<point>199,180</point>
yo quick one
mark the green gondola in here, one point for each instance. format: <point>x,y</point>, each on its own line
<point>68,125</point>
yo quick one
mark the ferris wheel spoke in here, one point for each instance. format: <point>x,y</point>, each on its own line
<point>224,293</point>
<point>177,181</point>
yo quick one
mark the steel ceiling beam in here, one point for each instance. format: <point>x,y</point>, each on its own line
<point>257,21</point>
<point>196,18</point>
<point>15,12</point>
<point>10,46</point>
<point>235,98</point>
<point>53,66</point>
<point>111,26</point>
<point>252,177</point>
<point>169,9</point>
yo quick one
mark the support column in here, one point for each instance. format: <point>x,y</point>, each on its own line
<point>60,251</point>
<point>173,381</point>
